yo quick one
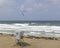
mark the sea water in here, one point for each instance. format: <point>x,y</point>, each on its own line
<point>31,27</point>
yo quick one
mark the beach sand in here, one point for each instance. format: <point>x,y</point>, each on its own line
<point>8,41</point>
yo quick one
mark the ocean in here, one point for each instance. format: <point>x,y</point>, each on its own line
<point>51,28</point>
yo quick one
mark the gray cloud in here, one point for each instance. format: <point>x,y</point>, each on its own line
<point>33,6</point>
<point>33,9</point>
<point>7,8</point>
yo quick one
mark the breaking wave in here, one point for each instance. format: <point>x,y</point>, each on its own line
<point>30,29</point>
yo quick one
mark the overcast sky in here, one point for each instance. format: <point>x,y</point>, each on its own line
<point>29,9</point>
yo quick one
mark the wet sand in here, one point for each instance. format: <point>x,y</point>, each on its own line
<point>7,41</point>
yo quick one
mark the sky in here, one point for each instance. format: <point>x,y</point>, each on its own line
<point>30,10</point>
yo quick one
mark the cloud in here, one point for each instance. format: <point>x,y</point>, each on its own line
<point>27,6</point>
<point>6,6</point>
<point>36,5</point>
<point>55,2</point>
<point>7,2</point>
<point>2,2</point>
<point>33,6</point>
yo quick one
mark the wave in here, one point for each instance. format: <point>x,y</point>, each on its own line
<point>42,29</point>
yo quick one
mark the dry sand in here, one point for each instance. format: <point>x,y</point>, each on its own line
<point>7,41</point>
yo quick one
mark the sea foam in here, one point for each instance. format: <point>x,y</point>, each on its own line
<point>48,30</point>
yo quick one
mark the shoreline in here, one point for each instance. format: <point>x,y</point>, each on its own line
<point>35,36</point>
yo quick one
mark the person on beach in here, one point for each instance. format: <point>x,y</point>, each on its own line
<point>19,36</point>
